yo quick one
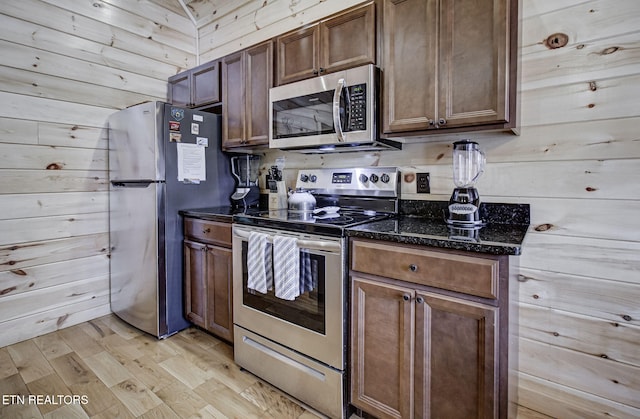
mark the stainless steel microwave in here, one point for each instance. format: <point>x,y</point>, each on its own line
<point>334,112</point>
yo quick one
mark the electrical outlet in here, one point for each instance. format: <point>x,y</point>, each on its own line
<point>422,184</point>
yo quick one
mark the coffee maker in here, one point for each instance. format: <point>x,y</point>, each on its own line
<point>464,204</point>
<point>245,169</point>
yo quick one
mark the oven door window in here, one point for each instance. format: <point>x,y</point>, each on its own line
<point>307,310</point>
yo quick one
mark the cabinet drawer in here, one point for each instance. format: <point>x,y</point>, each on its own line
<point>450,271</point>
<point>208,231</point>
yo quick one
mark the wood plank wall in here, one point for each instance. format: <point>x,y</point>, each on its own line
<point>66,66</point>
<point>577,162</point>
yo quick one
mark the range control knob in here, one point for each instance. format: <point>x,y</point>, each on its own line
<point>373,178</point>
<point>313,178</point>
<point>363,178</point>
<point>304,178</point>
<point>385,178</point>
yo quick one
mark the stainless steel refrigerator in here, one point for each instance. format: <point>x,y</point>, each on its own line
<point>162,159</point>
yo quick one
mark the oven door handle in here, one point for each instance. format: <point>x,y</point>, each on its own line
<point>302,244</point>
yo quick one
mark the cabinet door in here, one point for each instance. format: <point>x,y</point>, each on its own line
<point>233,98</point>
<point>456,359</point>
<point>259,79</point>
<point>474,56</point>
<point>298,55</point>
<point>219,318</point>
<point>409,65</point>
<point>382,341</point>
<point>195,272</point>
<point>348,40</point>
<point>180,89</point>
<point>205,84</point>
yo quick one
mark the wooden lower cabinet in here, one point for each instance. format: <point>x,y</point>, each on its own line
<point>382,348</point>
<point>208,284</point>
<point>423,352</point>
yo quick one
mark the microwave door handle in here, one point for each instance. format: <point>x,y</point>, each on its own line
<point>337,124</point>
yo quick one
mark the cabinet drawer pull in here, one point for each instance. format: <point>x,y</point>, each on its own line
<point>419,300</point>
<point>207,230</point>
<point>406,297</point>
<point>413,267</point>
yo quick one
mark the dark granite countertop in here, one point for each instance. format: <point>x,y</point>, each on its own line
<point>222,213</point>
<point>422,223</point>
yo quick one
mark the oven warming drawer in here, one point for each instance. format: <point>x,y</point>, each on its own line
<point>311,382</point>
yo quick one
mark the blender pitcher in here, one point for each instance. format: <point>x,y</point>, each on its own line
<point>245,169</point>
<point>464,204</point>
<point>468,163</point>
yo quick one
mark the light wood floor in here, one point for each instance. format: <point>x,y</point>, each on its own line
<point>116,371</point>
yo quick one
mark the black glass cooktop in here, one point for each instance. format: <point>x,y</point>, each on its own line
<point>320,223</point>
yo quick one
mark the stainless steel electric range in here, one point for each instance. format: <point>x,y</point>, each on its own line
<point>298,343</point>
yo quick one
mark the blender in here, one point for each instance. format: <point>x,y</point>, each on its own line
<point>464,204</point>
<point>245,169</point>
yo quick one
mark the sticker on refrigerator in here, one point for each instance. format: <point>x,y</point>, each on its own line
<point>175,137</point>
<point>191,163</point>
<point>203,141</point>
<point>177,114</point>
<point>174,126</point>
<point>195,128</point>
<point>198,118</point>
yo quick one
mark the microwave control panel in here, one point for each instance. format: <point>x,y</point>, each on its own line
<point>357,118</point>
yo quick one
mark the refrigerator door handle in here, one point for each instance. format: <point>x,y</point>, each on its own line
<point>132,183</point>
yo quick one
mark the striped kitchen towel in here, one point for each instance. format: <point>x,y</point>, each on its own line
<point>306,271</point>
<point>286,267</point>
<point>259,262</point>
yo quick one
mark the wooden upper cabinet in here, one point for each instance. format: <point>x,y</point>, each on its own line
<point>259,72</point>
<point>348,40</point>
<point>247,77</point>
<point>409,64</point>
<point>298,55</point>
<point>339,42</point>
<point>180,89</point>
<point>206,84</point>
<point>233,98</point>
<point>196,87</point>
<point>448,64</point>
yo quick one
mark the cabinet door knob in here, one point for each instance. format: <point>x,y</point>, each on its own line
<point>206,230</point>
<point>315,72</point>
<point>432,122</point>
<point>406,297</point>
<point>442,121</point>
<point>419,300</point>
<point>413,267</point>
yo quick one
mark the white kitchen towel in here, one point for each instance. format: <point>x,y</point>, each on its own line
<point>286,267</point>
<point>259,277</point>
